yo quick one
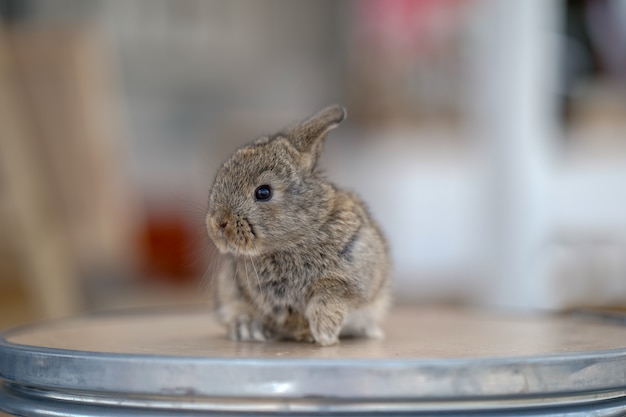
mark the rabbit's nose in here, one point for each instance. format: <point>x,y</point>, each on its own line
<point>223,224</point>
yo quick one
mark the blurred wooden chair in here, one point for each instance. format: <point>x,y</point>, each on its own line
<point>68,203</point>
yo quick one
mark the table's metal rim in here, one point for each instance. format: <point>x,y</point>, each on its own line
<point>290,377</point>
<point>429,378</point>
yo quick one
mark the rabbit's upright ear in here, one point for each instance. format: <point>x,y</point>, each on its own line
<point>308,136</point>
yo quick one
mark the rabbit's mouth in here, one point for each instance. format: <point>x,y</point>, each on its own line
<point>236,249</point>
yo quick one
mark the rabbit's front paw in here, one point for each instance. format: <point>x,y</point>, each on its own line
<point>325,320</point>
<point>245,328</point>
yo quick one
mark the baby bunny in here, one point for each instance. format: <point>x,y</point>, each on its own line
<point>305,259</point>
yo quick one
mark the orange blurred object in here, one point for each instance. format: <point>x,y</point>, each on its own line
<point>169,247</point>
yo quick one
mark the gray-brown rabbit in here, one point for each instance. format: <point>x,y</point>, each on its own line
<point>305,260</point>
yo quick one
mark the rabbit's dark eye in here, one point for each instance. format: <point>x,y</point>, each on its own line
<point>263,193</point>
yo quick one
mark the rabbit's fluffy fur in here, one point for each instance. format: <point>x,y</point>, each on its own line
<point>309,262</point>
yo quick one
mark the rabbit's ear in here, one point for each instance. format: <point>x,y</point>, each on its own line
<point>308,136</point>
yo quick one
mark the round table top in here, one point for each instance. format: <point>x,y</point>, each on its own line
<point>429,356</point>
<point>412,333</point>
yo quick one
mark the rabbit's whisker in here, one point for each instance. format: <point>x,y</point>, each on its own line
<point>245,265</point>
<point>208,277</point>
<point>205,276</point>
<point>218,264</point>
<point>257,277</point>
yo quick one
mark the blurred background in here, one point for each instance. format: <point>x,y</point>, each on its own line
<point>487,136</point>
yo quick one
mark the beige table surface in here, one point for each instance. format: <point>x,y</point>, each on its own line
<point>412,333</point>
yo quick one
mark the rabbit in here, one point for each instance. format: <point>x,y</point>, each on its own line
<point>304,259</point>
